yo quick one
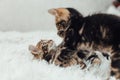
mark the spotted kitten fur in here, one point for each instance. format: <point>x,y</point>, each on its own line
<point>101,31</point>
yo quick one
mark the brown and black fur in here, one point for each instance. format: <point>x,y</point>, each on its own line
<point>101,31</point>
<point>48,51</point>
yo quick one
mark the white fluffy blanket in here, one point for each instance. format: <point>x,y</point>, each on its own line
<point>16,61</point>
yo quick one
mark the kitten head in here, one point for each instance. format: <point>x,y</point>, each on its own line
<point>46,45</point>
<point>63,17</point>
<point>42,49</point>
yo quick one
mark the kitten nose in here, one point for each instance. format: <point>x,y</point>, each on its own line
<point>60,32</point>
<point>44,47</point>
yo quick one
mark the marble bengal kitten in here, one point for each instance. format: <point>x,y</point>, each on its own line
<point>48,51</point>
<point>45,50</point>
<point>101,31</point>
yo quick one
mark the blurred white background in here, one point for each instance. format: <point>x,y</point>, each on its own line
<point>32,15</point>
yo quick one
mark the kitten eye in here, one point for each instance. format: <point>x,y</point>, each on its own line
<point>61,23</point>
<point>58,24</point>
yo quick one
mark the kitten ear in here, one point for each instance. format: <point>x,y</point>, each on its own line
<point>53,12</point>
<point>33,49</point>
<point>50,41</point>
<point>51,45</point>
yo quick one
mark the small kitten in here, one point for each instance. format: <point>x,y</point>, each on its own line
<point>94,61</point>
<point>101,31</point>
<point>45,49</point>
<point>48,51</point>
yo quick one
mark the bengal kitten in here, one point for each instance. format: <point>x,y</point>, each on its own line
<point>101,31</point>
<point>48,51</point>
<point>45,50</point>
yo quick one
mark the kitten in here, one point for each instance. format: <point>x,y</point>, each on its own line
<point>101,31</point>
<point>88,60</point>
<point>46,50</point>
<point>94,62</point>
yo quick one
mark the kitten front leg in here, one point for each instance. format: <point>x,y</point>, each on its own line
<point>64,57</point>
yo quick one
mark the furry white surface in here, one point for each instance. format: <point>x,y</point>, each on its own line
<point>16,61</point>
